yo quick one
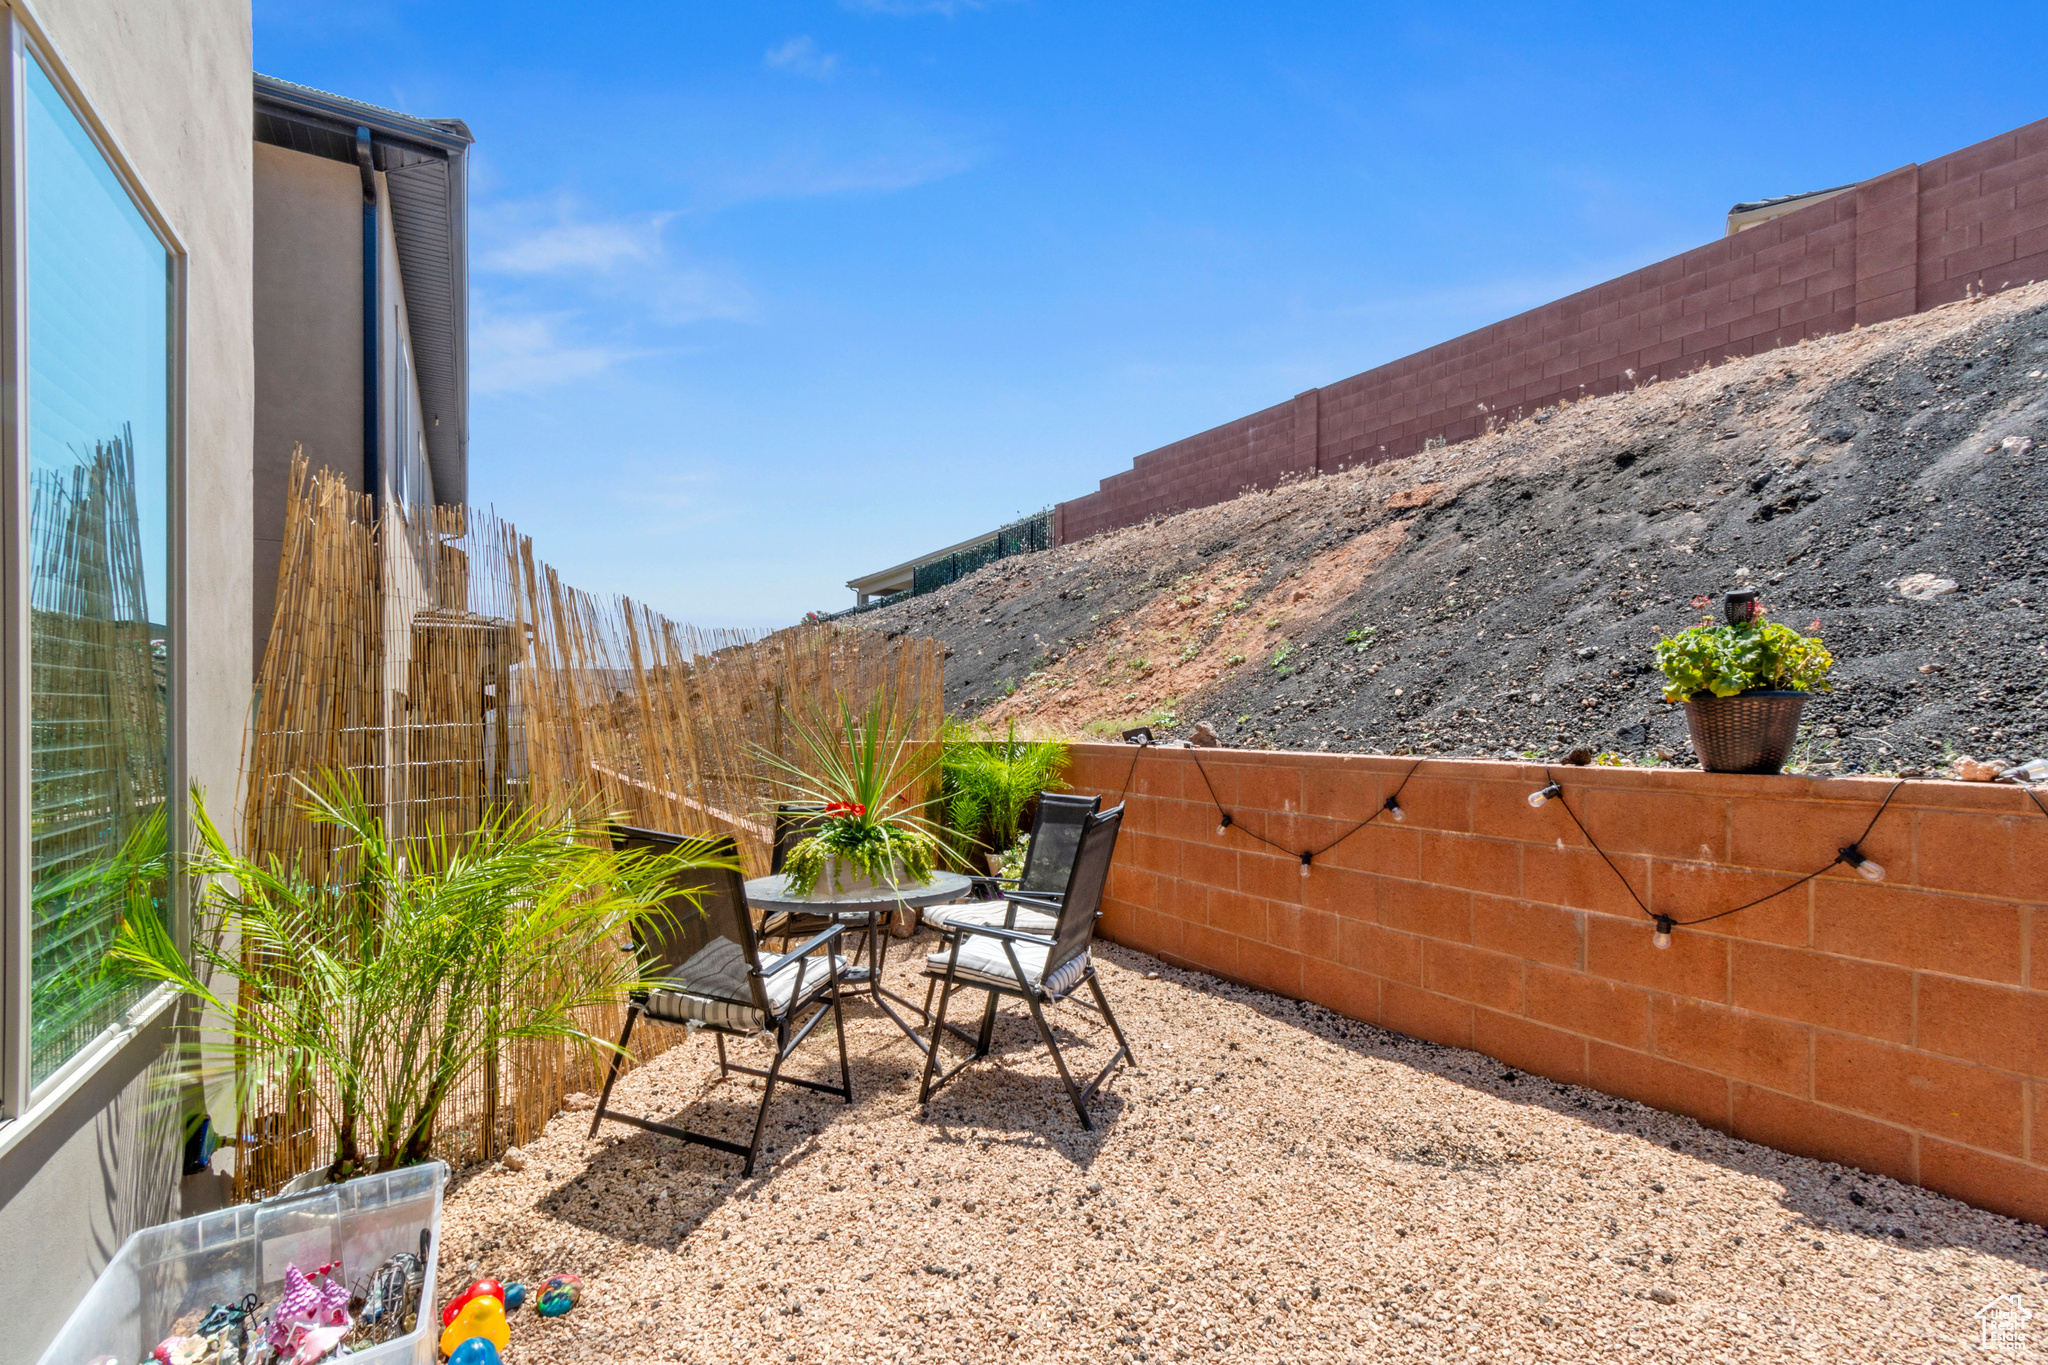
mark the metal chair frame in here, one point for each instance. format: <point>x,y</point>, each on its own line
<point>1051,806</point>
<point>1077,910</point>
<point>789,1029</point>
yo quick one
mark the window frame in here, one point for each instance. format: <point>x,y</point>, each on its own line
<point>21,1104</point>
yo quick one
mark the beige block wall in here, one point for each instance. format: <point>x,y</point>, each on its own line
<point>170,84</point>
<point>308,305</point>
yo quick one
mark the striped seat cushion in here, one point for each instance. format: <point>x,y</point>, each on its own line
<point>982,960</point>
<point>989,913</point>
<point>711,988</point>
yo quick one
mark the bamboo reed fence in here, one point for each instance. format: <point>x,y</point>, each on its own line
<point>430,654</point>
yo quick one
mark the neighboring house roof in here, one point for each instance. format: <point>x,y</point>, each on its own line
<point>426,169</point>
<point>899,578</point>
<point>1754,204</point>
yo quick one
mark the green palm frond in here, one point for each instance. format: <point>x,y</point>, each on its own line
<point>391,979</point>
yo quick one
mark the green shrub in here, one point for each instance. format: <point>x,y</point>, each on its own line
<point>986,784</point>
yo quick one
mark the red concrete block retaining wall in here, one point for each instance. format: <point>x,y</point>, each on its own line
<point>1898,243</point>
<point>1899,1027</point>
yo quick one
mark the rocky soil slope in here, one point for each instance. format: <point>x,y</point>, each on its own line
<point>1503,595</point>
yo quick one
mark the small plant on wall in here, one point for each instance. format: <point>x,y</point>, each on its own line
<point>1743,681</point>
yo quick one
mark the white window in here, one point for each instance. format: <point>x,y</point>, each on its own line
<point>89,304</point>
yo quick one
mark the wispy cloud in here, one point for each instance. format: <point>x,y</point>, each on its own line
<point>800,57</point>
<point>802,174</point>
<point>515,354</point>
<point>906,8</point>
<point>618,260</point>
<point>573,247</point>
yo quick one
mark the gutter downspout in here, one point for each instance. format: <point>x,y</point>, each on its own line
<point>373,482</point>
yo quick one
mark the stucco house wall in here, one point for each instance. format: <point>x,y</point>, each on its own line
<point>169,86</point>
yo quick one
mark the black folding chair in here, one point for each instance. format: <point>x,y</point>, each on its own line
<point>1048,864</point>
<point>708,963</point>
<point>1040,969</point>
<point>1055,835</point>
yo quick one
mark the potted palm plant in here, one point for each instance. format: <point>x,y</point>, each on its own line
<point>367,993</point>
<point>1744,682</point>
<point>870,775</point>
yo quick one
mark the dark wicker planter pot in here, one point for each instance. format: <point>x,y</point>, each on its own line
<point>1751,732</point>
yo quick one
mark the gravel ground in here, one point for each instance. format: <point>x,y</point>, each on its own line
<point>1502,595</point>
<point>1272,1182</point>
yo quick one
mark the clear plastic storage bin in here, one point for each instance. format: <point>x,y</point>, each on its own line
<point>162,1273</point>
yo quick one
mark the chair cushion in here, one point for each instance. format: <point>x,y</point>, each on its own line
<point>711,988</point>
<point>989,913</point>
<point>982,959</point>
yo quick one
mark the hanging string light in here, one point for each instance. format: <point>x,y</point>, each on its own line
<point>1660,937</point>
<point>1393,808</point>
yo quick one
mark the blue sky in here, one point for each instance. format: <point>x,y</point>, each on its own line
<point>769,295</point>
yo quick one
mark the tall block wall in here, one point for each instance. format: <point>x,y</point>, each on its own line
<point>1900,1027</point>
<point>1901,242</point>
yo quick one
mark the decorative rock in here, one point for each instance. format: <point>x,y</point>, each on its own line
<point>1662,1295</point>
<point>515,1297</point>
<point>481,1289</point>
<point>558,1295</point>
<point>475,1351</point>
<point>1205,737</point>
<point>483,1316</point>
<point>514,1159</point>
<point>1924,587</point>
<point>1975,770</point>
<point>1580,757</point>
<point>579,1100</point>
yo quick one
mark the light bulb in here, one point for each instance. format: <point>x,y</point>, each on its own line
<point>1536,799</point>
<point>1394,809</point>
<point>1222,824</point>
<point>1304,864</point>
<point>1662,938</point>
<point>1869,867</point>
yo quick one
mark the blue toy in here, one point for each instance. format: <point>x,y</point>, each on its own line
<point>475,1351</point>
<point>515,1295</point>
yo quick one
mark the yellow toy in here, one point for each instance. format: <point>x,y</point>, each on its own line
<point>483,1316</point>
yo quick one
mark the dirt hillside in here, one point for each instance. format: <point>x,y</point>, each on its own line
<point>1501,596</point>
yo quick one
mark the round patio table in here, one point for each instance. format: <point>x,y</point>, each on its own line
<point>867,906</point>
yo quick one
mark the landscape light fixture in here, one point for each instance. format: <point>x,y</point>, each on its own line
<point>1869,867</point>
<point>1222,823</point>
<point>1739,607</point>
<point>1393,808</point>
<point>1549,793</point>
<point>1139,735</point>
<point>1662,938</point>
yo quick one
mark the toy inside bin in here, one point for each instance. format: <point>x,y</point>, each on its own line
<point>164,1273</point>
